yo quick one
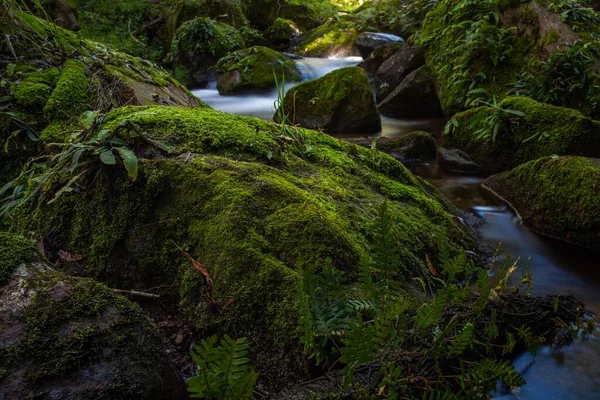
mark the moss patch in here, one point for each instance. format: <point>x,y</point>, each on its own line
<point>335,38</point>
<point>14,250</point>
<point>557,196</point>
<point>341,101</point>
<point>544,130</point>
<point>254,68</point>
<point>242,201</point>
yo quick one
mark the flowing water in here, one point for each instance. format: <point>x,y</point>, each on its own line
<point>558,268</point>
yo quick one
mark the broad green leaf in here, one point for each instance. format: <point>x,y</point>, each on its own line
<point>87,119</point>
<point>130,161</point>
<point>108,158</point>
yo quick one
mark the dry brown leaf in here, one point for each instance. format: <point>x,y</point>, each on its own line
<point>430,265</point>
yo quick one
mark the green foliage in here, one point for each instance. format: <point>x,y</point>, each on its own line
<point>575,12</point>
<point>204,35</point>
<point>224,371</point>
<point>486,126</point>
<point>59,172</point>
<point>565,77</point>
<point>458,329</point>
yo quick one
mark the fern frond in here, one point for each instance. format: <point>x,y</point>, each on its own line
<point>462,341</point>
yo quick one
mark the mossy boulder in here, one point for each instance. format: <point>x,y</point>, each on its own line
<point>14,251</point>
<point>198,45</point>
<point>255,68</point>
<point>335,38</point>
<point>66,337</point>
<point>56,80</point>
<point>529,46</point>
<point>227,11</point>
<point>556,196</point>
<point>254,207</point>
<point>341,101</point>
<point>415,97</point>
<point>282,32</point>
<point>543,131</point>
<point>307,13</point>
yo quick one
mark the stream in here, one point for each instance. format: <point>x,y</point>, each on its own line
<point>558,268</point>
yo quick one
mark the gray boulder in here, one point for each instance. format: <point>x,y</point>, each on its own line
<point>457,161</point>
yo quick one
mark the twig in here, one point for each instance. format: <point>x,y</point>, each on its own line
<point>137,294</point>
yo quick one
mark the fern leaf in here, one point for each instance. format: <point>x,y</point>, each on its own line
<point>462,341</point>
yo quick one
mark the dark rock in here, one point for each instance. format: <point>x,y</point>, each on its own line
<point>73,338</point>
<point>409,148</point>
<point>457,161</point>
<point>392,71</point>
<point>367,42</point>
<point>341,101</point>
<point>415,97</point>
<point>372,63</point>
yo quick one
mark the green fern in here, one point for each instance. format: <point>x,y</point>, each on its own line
<point>462,341</point>
<point>360,347</point>
<point>224,371</point>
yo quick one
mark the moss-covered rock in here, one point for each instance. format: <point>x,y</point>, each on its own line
<point>255,68</point>
<point>341,101</point>
<point>556,196</point>
<point>49,89</point>
<point>254,207</point>
<point>198,45</point>
<point>543,131</point>
<point>335,38</point>
<point>281,32</point>
<point>14,251</point>
<point>307,13</point>
<point>227,11</point>
<point>528,46</point>
<point>66,337</point>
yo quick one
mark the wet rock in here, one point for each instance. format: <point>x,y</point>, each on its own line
<point>392,71</point>
<point>72,338</point>
<point>415,97</point>
<point>367,42</point>
<point>335,38</point>
<point>372,63</point>
<point>341,101</point>
<point>409,148</point>
<point>556,196</point>
<point>254,68</point>
<point>457,161</point>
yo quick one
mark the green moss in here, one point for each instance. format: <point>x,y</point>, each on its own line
<point>254,68</point>
<point>236,196</point>
<point>307,13</point>
<point>551,37</point>
<point>340,101</point>
<point>282,30</point>
<point>545,130</point>
<point>204,35</point>
<point>333,38</point>
<point>33,89</point>
<point>81,329</point>
<point>228,11</point>
<point>557,196</point>
<point>70,96</point>
<point>14,250</point>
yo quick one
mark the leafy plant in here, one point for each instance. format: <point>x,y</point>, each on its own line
<point>224,371</point>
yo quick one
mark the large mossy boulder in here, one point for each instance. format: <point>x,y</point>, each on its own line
<point>54,81</point>
<point>255,68</point>
<point>544,130</point>
<point>556,196</point>
<point>415,97</point>
<point>335,38</point>
<point>281,32</point>
<point>341,101</point>
<point>198,45</point>
<point>73,338</point>
<point>254,207</point>
<point>542,49</point>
